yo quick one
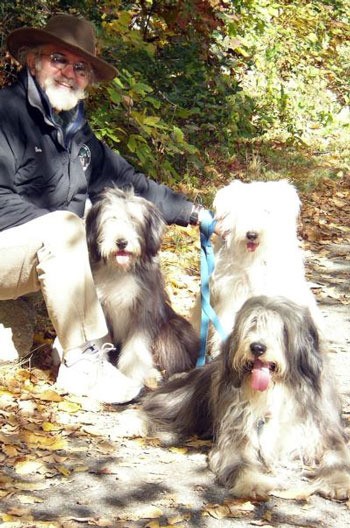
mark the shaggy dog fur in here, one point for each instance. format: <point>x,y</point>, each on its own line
<point>258,253</point>
<point>124,234</point>
<point>268,402</point>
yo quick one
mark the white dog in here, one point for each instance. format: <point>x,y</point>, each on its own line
<point>124,234</point>
<point>258,253</point>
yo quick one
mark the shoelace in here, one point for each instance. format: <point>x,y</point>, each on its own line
<point>107,347</point>
<point>91,353</point>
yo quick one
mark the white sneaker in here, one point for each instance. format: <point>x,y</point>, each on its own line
<point>87,372</point>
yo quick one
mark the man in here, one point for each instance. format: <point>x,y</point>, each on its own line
<point>50,164</point>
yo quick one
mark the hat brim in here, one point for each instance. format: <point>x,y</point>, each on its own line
<point>32,37</point>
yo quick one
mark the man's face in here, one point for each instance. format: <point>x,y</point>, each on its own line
<point>63,75</point>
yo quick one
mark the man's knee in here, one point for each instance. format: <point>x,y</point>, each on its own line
<point>64,228</point>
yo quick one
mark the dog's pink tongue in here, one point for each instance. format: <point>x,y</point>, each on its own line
<point>122,258</point>
<point>260,376</point>
<point>251,246</point>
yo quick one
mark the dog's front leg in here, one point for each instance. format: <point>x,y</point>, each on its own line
<point>135,360</point>
<point>333,476</point>
<point>238,468</point>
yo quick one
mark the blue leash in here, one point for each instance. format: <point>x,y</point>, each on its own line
<point>208,315</point>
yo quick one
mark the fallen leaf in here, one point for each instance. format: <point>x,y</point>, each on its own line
<point>27,466</point>
<point>27,407</point>
<point>49,395</point>
<point>10,450</point>
<point>32,486</point>
<point>152,524</point>
<point>69,407</point>
<point>48,427</point>
<point>28,499</point>
<point>18,512</point>
<point>64,471</point>
<point>80,469</point>
<point>179,450</point>
<point>218,511</point>
<point>232,508</point>
<point>178,518</point>
<point>43,441</point>
<point>154,442</point>
<point>4,493</point>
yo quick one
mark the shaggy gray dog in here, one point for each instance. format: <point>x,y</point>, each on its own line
<point>124,234</point>
<point>268,402</point>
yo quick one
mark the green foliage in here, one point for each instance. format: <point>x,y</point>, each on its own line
<point>226,71</point>
<point>298,62</point>
<point>199,80</point>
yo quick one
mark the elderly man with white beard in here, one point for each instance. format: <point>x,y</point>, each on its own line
<point>50,164</point>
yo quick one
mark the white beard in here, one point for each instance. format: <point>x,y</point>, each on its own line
<point>61,97</point>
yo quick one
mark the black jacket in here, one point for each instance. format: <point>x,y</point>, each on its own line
<point>44,168</point>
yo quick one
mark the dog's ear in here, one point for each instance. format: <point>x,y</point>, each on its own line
<point>303,348</point>
<point>230,375</point>
<point>153,229</point>
<point>92,229</point>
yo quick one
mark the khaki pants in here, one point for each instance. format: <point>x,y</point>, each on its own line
<point>50,254</point>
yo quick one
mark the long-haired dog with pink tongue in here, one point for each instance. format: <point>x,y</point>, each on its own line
<point>268,402</point>
<point>124,235</point>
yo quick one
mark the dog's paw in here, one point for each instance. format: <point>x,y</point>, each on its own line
<point>335,486</point>
<point>130,423</point>
<point>253,485</point>
<point>154,379</point>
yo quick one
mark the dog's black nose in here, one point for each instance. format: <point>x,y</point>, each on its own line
<point>121,243</point>
<point>257,349</point>
<point>251,235</point>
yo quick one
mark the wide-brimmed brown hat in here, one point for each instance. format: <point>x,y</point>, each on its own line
<point>73,33</point>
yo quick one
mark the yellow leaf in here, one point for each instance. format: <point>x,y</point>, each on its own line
<point>9,450</point>
<point>49,395</point>
<point>6,518</point>
<point>43,441</point>
<point>48,427</point>
<point>64,471</point>
<point>179,450</point>
<point>69,407</point>
<point>146,441</point>
<point>81,469</point>
<point>56,444</point>
<point>4,392</point>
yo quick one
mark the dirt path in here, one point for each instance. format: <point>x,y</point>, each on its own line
<point>71,465</point>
